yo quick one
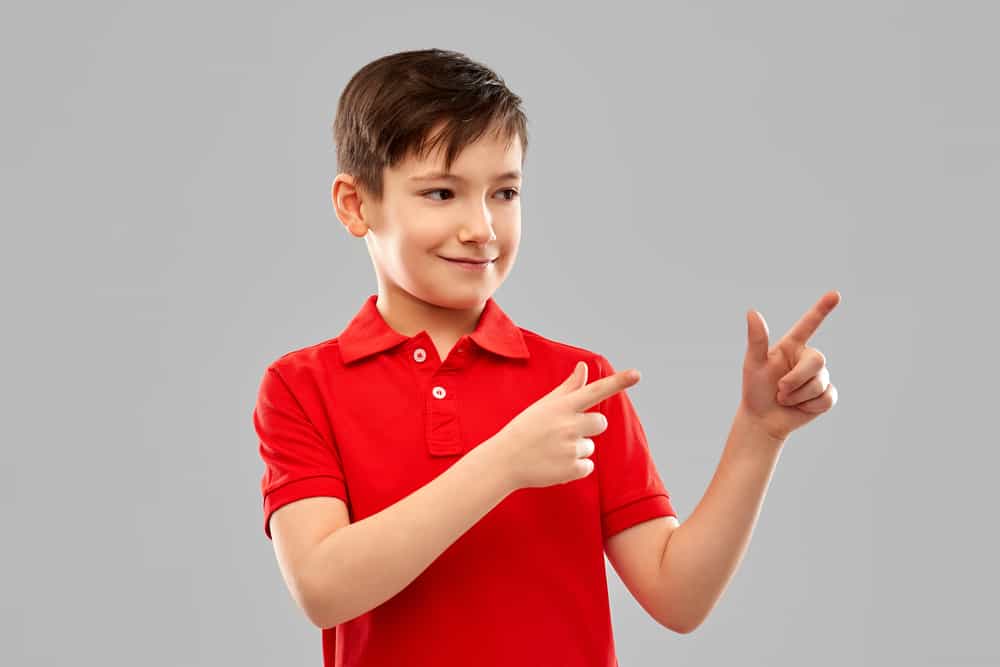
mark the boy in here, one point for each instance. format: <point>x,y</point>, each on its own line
<point>428,485</point>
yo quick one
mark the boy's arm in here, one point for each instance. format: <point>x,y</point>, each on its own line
<point>703,553</point>
<point>636,553</point>
<point>359,566</point>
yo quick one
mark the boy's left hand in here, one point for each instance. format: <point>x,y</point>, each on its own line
<point>788,385</point>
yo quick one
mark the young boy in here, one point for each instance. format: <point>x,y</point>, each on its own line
<point>399,520</point>
<point>441,485</point>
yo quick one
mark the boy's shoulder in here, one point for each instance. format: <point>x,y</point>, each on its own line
<point>558,348</point>
<point>305,355</point>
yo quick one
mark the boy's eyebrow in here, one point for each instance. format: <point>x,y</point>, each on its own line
<point>455,177</point>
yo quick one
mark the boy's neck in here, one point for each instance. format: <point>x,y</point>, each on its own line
<point>409,316</point>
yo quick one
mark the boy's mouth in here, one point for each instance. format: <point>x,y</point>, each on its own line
<point>466,260</point>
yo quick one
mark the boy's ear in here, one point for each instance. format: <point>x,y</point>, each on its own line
<point>347,204</point>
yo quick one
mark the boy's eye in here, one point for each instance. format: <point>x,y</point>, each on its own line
<point>513,193</point>
<point>429,192</point>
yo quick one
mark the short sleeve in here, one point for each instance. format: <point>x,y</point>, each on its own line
<point>631,490</point>
<point>298,461</point>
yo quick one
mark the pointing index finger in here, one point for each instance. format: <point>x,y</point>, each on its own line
<point>809,323</point>
<point>593,393</point>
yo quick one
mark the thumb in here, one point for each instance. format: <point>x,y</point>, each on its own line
<point>576,379</point>
<point>756,338</point>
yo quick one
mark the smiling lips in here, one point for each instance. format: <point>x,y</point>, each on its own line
<point>469,260</point>
<point>477,266</point>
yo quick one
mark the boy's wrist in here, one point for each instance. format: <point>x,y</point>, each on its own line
<point>491,457</point>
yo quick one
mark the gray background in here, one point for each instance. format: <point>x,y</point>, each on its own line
<point>168,232</point>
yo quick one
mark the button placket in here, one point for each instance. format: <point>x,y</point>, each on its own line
<point>443,434</point>
<point>443,431</point>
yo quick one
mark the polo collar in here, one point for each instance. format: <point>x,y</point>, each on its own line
<point>368,333</point>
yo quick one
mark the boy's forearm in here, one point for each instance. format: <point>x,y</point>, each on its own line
<point>363,564</point>
<point>704,552</point>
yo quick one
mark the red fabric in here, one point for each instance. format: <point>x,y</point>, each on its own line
<point>357,417</point>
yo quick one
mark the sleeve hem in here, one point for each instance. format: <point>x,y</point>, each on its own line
<point>320,485</point>
<point>634,512</point>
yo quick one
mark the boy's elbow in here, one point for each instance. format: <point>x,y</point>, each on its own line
<point>319,616</point>
<point>681,628</point>
<point>675,628</point>
<point>314,601</point>
<point>318,610</point>
<point>684,630</point>
<point>320,623</point>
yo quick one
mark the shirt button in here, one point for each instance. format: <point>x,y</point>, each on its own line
<point>420,354</point>
<point>438,392</point>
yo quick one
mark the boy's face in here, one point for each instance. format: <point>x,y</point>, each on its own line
<point>420,221</point>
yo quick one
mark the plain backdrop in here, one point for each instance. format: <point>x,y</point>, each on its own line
<point>168,232</point>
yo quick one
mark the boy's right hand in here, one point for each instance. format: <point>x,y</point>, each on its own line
<point>546,444</point>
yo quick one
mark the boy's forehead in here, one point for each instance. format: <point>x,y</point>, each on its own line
<point>499,157</point>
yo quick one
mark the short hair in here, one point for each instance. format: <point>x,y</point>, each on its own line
<point>390,106</point>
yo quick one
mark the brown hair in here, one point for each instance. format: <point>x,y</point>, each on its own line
<point>390,106</point>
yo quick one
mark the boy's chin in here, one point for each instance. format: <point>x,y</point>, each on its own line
<point>460,297</point>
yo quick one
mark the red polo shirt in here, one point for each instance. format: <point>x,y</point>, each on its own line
<point>372,415</point>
